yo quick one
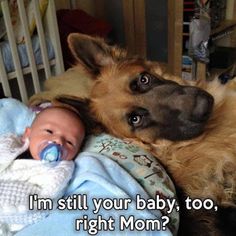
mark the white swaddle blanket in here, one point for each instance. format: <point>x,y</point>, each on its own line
<point>21,178</point>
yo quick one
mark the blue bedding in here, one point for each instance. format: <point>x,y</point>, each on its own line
<point>109,168</point>
<point>97,177</point>
<point>7,56</point>
<point>15,116</point>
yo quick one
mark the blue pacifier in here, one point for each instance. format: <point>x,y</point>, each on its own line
<point>52,152</point>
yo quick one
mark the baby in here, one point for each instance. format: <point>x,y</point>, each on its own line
<point>55,137</point>
<point>56,134</point>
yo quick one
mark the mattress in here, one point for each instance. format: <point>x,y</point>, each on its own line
<point>22,52</point>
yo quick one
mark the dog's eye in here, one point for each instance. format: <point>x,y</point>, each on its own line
<point>142,83</point>
<point>144,79</point>
<point>135,120</point>
<point>139,117</point>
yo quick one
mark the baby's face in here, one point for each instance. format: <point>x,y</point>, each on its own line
<point>59,126</point>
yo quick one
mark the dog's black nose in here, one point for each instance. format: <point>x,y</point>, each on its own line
<point>203,106</point>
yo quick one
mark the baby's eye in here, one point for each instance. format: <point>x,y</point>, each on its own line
<point>49,131</point>
<point>70,143</point>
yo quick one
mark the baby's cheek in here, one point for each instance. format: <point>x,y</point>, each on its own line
<point>37,158</point>
<point>71,154</point>
<point>75,153</point>
<point>34,154</point>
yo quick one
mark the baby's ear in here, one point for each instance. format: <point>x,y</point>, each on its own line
<point>26,134</point>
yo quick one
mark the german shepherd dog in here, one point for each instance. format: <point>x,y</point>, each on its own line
<point>190,129</point>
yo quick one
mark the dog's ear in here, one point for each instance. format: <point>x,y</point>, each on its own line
<point>82,108</point>
<point>93,53</point>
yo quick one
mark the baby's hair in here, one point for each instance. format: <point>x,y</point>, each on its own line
<point>69,109</point>
<point>65,108</point>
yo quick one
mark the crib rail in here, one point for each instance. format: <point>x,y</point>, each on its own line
<point>13,46</point>
<point>49,27</point>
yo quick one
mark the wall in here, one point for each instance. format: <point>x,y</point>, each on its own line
<point>157,30</point>
<point>113,11</point>
<point>62,4</point>
<point>156,14</point>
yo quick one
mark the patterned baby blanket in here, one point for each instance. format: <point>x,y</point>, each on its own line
<point>22,178</point>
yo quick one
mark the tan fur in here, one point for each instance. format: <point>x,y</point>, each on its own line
<point>72,82</point>
<point>204,167</point>
<point>232,84</point>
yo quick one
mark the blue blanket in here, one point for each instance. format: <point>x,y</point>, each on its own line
<point>96,176</point>
<point>14,116</point>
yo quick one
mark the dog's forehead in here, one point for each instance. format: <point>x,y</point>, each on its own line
<point>125,71</point>
<point>112,98</point>
<point>117,77</point>
<point>112,87</point>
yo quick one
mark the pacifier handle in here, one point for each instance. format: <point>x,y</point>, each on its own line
<point>52,152</point>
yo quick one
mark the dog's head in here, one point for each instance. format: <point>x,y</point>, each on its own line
<point>133,98</point>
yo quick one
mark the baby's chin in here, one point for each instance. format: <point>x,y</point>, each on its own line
<point>69,158</point>
<point>36,158</point>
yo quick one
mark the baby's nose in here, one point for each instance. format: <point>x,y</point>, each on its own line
<point>58,140</point>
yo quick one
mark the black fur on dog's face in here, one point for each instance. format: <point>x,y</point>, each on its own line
<point>172,111</point>
<point>132,99</point>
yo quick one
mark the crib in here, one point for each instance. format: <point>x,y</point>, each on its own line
<point>45,31</point>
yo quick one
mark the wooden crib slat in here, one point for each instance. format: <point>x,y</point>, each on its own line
<point>41,35</point>
<point>51,28</point>
<point>29,47</point>
<point>15,56</point>
<point>4,79</point>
